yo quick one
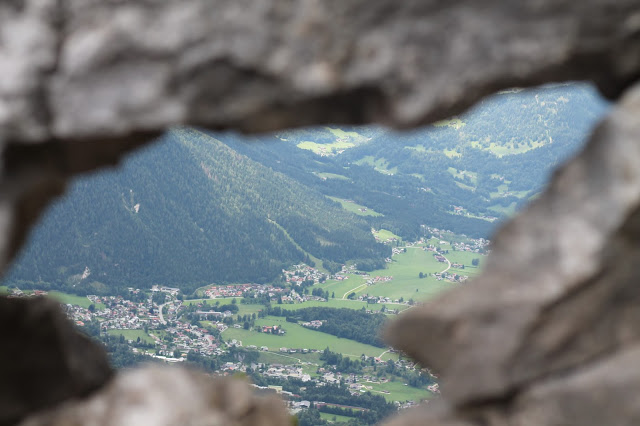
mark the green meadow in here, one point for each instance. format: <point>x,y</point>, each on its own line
<point>72,299</point>
<point>341,303</point>
<point>399,392</point>
<point>298,337</point>
<point>132,335</point>
<point>331,176</point>
<point>356,208</point>
<point>406,283</point>
<point>335,418</point>
<point>385,235</point>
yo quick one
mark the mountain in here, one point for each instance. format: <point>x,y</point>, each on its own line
<point>466,174</point>
<point>186,212</point>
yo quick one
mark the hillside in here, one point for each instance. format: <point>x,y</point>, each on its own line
<point>186,212</point>
<point>466,174</point>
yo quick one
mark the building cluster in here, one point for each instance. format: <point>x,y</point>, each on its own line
<point>185,338</point>
<point>235,290</point>
<point>297,274</point>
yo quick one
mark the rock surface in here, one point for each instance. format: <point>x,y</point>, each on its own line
<point>44,360</point>
<point>169,397</point>
<point>87,69</point>
<point>544,336</point>
<point>557,307</point>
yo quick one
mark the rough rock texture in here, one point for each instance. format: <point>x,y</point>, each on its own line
<point>549,333</point>
<point>95,68</point>
<point>43,360</point>
<point>121,71</point>
<point>168,397</point>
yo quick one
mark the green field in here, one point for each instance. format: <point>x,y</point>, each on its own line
<point>72,299</point>
<point>331,176</point>
<point>358,209</point>
<point>462,174</point>
<point>325,148</point>
<point>384,235</point>
<point>380,164</point>
<point>243,309</point>
<point>275,357</point>
<point>405,270</point>
<point>342,134</point>
<point>132,335</point>
<point>340,303</point>
<point>508,148</point>
<point>340,288</point>
<point>338,419</point>
<point>399,392</point>
<point>455,123</point>
<point>299,337</point>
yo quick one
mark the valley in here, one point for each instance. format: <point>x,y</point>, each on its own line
<point>282,256</point>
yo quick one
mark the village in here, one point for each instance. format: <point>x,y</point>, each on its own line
<point>165,325</point>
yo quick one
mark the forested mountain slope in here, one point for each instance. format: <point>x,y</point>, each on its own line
<point>464,174</point>
<point>186,212</point>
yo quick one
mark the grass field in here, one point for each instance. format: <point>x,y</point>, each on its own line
<point>380,165</point>
<point>405,271</point>
<point>342,134</point>
<point>340,303</point>
<point>331,176</point>
<point>335,418</point>
<point>325,148</point>
<point>299,337</point>
<point>455,123</point>
<point>275,357</point>
<point>72,299</point>
<point>462,174</point>
<point>132,335</point>
<point>358,209</point>
<point>507,148</point>
<point>385,235</point>
<point>242,308</point>
<point>339,288</point>
<point>399,392</point>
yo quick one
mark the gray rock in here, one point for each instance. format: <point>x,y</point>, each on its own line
<point>79,69</point>
<point>44,360</point>
<point>560,288</point>
<point>84,81</point>
<point>169,397</point>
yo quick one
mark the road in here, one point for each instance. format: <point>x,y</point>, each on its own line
<point>344,297</point>
<point>448,267</point>
<point>160,312</point>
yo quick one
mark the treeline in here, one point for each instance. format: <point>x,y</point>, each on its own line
<point>341,322</point>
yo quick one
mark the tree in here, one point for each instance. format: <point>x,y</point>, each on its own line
<point>333,294</point>
<point>92,308</point>
<point>176,354</point>
<point>421,275</point>
<point>475,262</point>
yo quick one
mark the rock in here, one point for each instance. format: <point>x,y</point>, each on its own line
<point>84,81</point>
<point>85,69</point>
<point>44,360</point>
<point>559,291</point>
<point>169,397</point>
